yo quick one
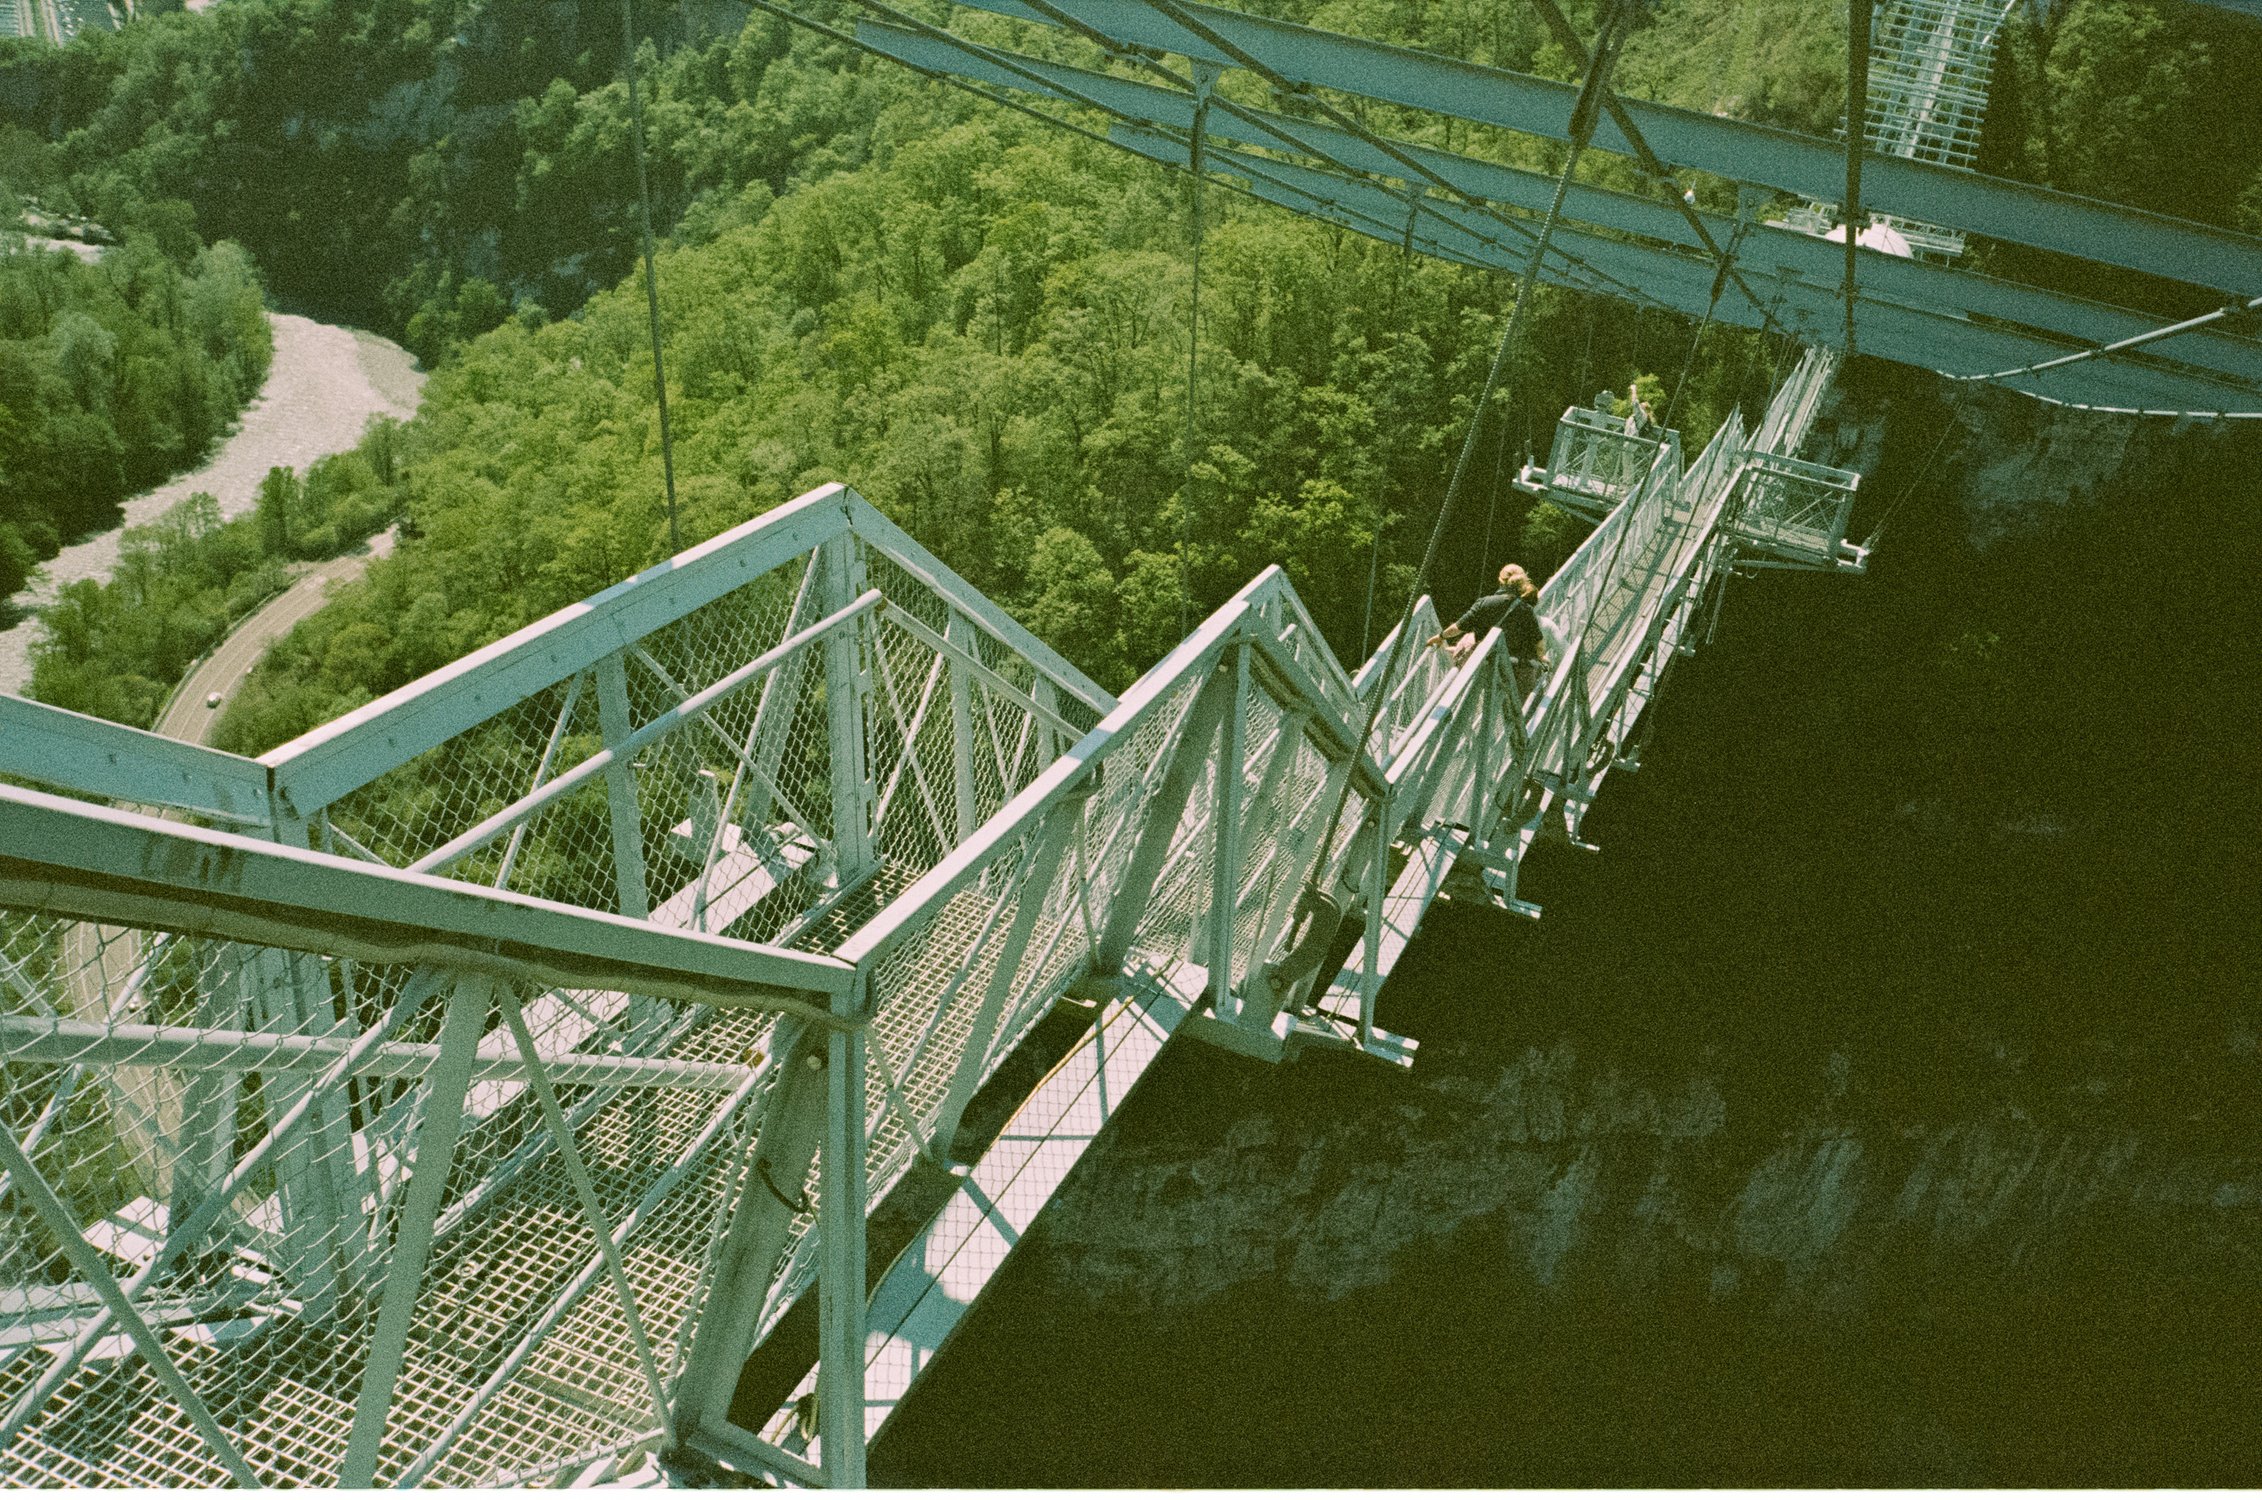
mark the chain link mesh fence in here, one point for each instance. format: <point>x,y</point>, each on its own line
<point>225,1139</point>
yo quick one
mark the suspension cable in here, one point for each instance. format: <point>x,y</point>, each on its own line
<point>1341,119</point>
<point>1576,266</point>
<point>651,269</point>
<point>2134,341</point>
<point>2132,411</point>
<point>1010,63</point>
<point>1719,284</point>
<point>1947,430</point>
<point>1567,37</point>
<point>1857,127</point>
<point>1616,15</point>
<point>1202,86</point>
<point>1007,62</point>
<point>936,75</point>
<point>2232,309</point>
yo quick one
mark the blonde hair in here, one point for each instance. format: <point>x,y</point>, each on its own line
<point>1513,574</point>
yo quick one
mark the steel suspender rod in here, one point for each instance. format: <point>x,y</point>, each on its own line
<point>1857,126</point>
<point>651,270</point>
<point>1615,24</point>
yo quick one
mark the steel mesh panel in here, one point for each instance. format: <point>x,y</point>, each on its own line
<point>143,1066</point>
<point>420,805</point>
<point>927,990</point>
<point>702,788</point>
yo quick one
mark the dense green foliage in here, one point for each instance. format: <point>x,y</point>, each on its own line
<point>116,649</point>
<point>423,166</point>
<point>113,376</point>
<point>2143,104</point>
<point>978,321</point>
<point>432,167</point>
<point>985,332</point>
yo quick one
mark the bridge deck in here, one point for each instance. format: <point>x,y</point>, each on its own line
<point>939,1277</point>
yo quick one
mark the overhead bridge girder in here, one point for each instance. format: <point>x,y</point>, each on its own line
<point>1932,316</point>
<point>2022,213</point>
<point>1814,311</point>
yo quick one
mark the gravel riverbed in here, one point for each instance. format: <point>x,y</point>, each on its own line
<point>325,385</point>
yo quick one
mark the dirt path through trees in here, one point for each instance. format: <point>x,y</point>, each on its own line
<point>325,385</point>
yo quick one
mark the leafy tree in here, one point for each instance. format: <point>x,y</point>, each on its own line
<point>113,376</point>
<point>278,497</point>
<point>1070,602</point>
<point>115,649</point>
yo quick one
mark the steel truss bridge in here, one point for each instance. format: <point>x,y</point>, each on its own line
<point>474,1090</point>
<point>464,1092</point>
<point>1929,68</point>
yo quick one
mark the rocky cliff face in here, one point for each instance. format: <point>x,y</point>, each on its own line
<point>1580,1262</point>
<point>1584,1172</point>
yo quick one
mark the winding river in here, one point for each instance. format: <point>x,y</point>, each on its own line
<point>325,385</point>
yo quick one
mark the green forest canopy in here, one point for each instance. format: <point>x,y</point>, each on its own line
<point>978,321</point>
<point>429,167</point>
<point>114,376</point>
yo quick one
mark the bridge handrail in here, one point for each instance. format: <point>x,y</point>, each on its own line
<point>101,864</point>
<point>1296,633</point>
<point>346,1006</point>
<point>1139,703</point>
<point>96,758</point>
<point>325,764</point>
<point>1416,676</point>
<point>1791,411</point>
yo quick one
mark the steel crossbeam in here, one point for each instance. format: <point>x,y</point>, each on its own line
<point>1912,312</point>
<point>1911,332</point>
<point>1922,303</point>
<point>96,758</point>
<point>96,865</point>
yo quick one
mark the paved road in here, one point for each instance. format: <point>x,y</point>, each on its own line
<point>324,386</point>
<point>145,1102</point>
<point>189,717</point>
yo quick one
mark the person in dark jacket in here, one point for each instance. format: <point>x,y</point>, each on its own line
<point>1514,608</point>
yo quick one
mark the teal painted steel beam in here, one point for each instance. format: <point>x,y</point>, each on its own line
<point>2022,213</point>
<point>96,758</point>
<point>1782,252</point>
<point>102,865</point>
<point>348,753</point>
<point>341,757</point>
<point>1908,335</point>
<point>1924,315</point>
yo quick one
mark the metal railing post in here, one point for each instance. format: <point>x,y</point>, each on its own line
<point>840,583</point>
<point>841,1297</point>
<point>614,721</point>
<point>961,634</point>
<point>1225,872</point>
<point>777,1168</point>
<point>1160,821</point>
<point>449,1082</point>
